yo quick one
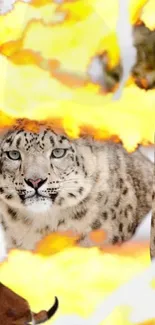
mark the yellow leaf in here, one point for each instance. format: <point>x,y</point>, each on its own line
<point>71,44</point>
<point>66,276</point>
<point>42,97</point>
<point>80,10</point>
<point>147,15</point>
<point>76,10</point>
<point>109,45</point>
<point>13,24</point>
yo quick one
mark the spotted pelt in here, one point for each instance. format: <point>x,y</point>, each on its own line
<point>49,183</point>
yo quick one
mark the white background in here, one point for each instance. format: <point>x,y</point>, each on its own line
<point>143,231</point>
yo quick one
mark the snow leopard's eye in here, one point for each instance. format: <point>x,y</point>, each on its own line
<point>58,153</point>
<point>13,154</point>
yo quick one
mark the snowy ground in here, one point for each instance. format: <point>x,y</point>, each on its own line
<point>144,229</point>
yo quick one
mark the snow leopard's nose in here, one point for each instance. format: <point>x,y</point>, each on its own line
<point>35,183</point>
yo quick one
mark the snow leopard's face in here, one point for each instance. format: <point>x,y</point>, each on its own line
<point>41,171</point>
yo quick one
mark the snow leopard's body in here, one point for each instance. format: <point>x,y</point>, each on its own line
<point>91,185</point>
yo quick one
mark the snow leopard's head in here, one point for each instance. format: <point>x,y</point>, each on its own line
<point>39,171</point>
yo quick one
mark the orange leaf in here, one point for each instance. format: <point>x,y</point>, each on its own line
<point>127,249</point>
<point>56,242</point>
<point>40,3</point>
<point>98,236</point>
<point>11,47</point>
<point>26,57</point>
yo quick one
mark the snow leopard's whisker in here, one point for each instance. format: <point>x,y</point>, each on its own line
<point>70,189</point>
<point>5,186</point>
<point>74,180</point>
<point>69,180</point>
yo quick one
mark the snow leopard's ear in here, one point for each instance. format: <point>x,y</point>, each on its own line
<point>3,134</point>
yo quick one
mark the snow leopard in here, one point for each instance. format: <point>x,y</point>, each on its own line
<point>50,182</point>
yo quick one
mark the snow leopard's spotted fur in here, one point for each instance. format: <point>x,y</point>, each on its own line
<point>94,185</point>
